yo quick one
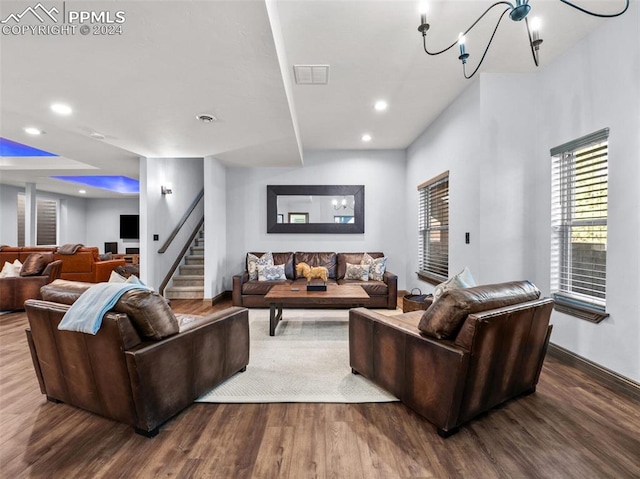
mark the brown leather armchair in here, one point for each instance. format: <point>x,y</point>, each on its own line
<point>15,291</point>
<point>124,374</point>
<point>471,350</point>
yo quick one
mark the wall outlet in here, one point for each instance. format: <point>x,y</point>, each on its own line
<point>156,237</point>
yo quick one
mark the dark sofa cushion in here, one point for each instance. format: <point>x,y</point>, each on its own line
<point>445,316</point>
<point>328,260</point>
<point>64,291</point>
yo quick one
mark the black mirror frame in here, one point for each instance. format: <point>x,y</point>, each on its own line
<point>273,191</point>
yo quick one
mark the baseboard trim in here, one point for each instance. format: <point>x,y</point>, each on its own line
<point>221,297</point>
<point>612,379</point>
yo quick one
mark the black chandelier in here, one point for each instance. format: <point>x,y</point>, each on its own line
<point>517,13</point>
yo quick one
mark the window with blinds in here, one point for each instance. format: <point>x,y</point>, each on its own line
<point>579,225</point>
<point>433,252</point>
<point>46,221</point>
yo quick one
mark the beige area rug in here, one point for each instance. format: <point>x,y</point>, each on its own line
<point>306,361</point>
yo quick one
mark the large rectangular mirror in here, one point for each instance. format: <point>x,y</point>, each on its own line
<point>315,209</point>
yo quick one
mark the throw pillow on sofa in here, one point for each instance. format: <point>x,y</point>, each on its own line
<point>376,266</point>
<point>33,265</point>
<point>11,270</point>
<point>445,316</point>
<point>253,261</point>
<point>463,279</point>
<point>357,271</point>
<point>271,273</point>
<point>116,278</point>
<point>149,312</point>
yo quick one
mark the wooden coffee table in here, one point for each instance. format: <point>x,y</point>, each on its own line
<point>336,294</point>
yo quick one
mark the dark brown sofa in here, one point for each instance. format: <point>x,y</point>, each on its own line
<point>124,374</point>
<point>250,293</point>
<point>483,346</point>
<point>16,290</point>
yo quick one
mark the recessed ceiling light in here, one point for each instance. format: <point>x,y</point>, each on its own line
<point>33,131</point>
<point>206,118</point>
<point>97,136</point>
<point>82,192</point>
<point>61,109</point>
<point>366,137</point>
<point>380,105</point>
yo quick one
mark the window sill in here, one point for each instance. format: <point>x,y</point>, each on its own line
<point>587,314</point>
<point>430,278</point>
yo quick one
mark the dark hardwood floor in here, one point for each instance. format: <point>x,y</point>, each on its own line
<point>572,427</point>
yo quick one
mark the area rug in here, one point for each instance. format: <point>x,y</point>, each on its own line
<point>306,361</point>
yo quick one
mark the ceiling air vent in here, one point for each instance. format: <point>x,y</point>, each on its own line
<point>311,74</point>
<point>206,118</point>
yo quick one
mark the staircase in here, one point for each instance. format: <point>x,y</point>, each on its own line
<point>189,282</point>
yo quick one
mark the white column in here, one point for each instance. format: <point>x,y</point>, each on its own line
<point>30,214</point>
<point>146,266</point>
<point>215,231</point>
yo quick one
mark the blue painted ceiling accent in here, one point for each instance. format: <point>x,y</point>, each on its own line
<point>14,149</point>
<point>119,184</point>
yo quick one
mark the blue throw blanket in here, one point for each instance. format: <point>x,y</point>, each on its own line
<point>85,315</point>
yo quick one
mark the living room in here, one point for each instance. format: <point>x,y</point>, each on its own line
<point>494,138</point>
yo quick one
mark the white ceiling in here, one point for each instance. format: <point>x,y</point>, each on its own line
<point>234,59</point>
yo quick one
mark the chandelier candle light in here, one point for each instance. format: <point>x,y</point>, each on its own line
<point>517,12</point>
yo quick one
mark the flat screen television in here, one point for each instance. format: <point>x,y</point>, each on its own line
<point>130,226</point>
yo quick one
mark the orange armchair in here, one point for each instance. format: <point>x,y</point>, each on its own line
<point>85,265</point>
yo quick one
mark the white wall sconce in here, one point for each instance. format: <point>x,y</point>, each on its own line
<point>166,189</point>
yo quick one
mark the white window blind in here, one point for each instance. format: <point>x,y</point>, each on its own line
<point>579,222</point>
<point>433,251</point>
<point>46,221</point>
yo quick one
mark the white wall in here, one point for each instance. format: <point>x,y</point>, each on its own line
<point>593,86</point>
<point>504,126</point>
<point>160,214</point>
<point>71,220</point>
<point>452,143</point>
<point>8,215</point>
<point>382,173</point>
<point>215,210</point>
<point>103,221</point>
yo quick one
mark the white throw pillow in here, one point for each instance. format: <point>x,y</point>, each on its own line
<point>11,270</point>
<point>116,278</point>
<point>377,266</point>
<point>8,271</point>
<point>271,273</point>
<point>357,271</point>
<point>253,261</point>
<point>463,279</point>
